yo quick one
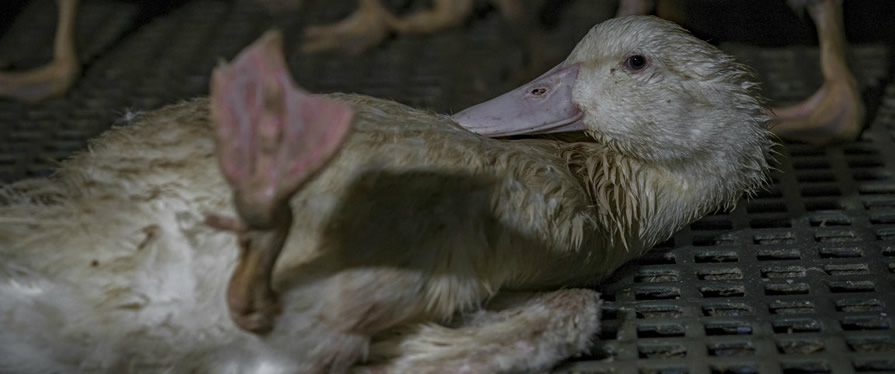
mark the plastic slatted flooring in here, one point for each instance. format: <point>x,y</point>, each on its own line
<point>800,279</point>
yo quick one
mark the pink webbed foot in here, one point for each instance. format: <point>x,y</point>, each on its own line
<point>442,15</point>
<point>371,23</point>
<point>271,137</point>
<point>835,113</point>
<point>363,29</point>
<point>55,78</point>
<point>50,80</point>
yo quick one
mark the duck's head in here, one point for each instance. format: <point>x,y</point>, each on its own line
<point>645,88</point>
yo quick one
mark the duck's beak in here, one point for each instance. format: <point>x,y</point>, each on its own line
<point>541,106</point>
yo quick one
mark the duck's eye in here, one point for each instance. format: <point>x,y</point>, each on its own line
<point>635,63</point>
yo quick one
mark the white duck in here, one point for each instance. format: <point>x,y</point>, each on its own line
<point>109,265</point>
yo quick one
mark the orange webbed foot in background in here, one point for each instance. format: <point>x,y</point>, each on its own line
<point>52,79</point>
<point>34,85</point>
<point>363,29</point>
<point>835,113</point>
<point>371,23</point>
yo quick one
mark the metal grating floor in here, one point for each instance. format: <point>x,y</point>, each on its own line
<point>800,279</point>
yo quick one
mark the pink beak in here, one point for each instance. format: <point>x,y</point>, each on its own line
<point>541,106</point>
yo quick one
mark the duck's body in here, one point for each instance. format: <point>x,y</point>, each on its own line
<point>117,235</point>
<point>110,266</point>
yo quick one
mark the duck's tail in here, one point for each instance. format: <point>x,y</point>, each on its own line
<point>72,304</point>
<point>32,311</point>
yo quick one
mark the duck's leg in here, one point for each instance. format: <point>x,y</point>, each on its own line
<point>271,136</point>
<point>443,14</point>
<point>835,113</point>
<point>518,333</point>
<point>363,29</point>
<point>56,77</point>
<point>371,23</point>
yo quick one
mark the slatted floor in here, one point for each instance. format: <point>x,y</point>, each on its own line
<point>800,279</point>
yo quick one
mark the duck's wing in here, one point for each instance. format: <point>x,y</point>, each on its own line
<point>271,136</point>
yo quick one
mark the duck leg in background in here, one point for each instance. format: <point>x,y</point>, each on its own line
<point>516,333</point>
<point>371,23</point>
<point>363,29</point>
<point>271,137</point>
<point>835,113</point>
<point>442,15</point>
<point>56,77</point>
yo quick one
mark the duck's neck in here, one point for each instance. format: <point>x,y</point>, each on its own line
<point>641,204</point>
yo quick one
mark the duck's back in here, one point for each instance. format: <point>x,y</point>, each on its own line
<point>112,246</point>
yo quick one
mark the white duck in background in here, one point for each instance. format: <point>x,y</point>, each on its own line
<point>403,223</point>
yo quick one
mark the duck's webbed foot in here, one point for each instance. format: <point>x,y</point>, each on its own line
<point>271,137</point>
<point>371,23</point>
<point>363,29</point>
<point>442,15</point>
<point>47,81</point>
<point>835,113</point>
<point>518,333</point>
<point>54,78</point>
